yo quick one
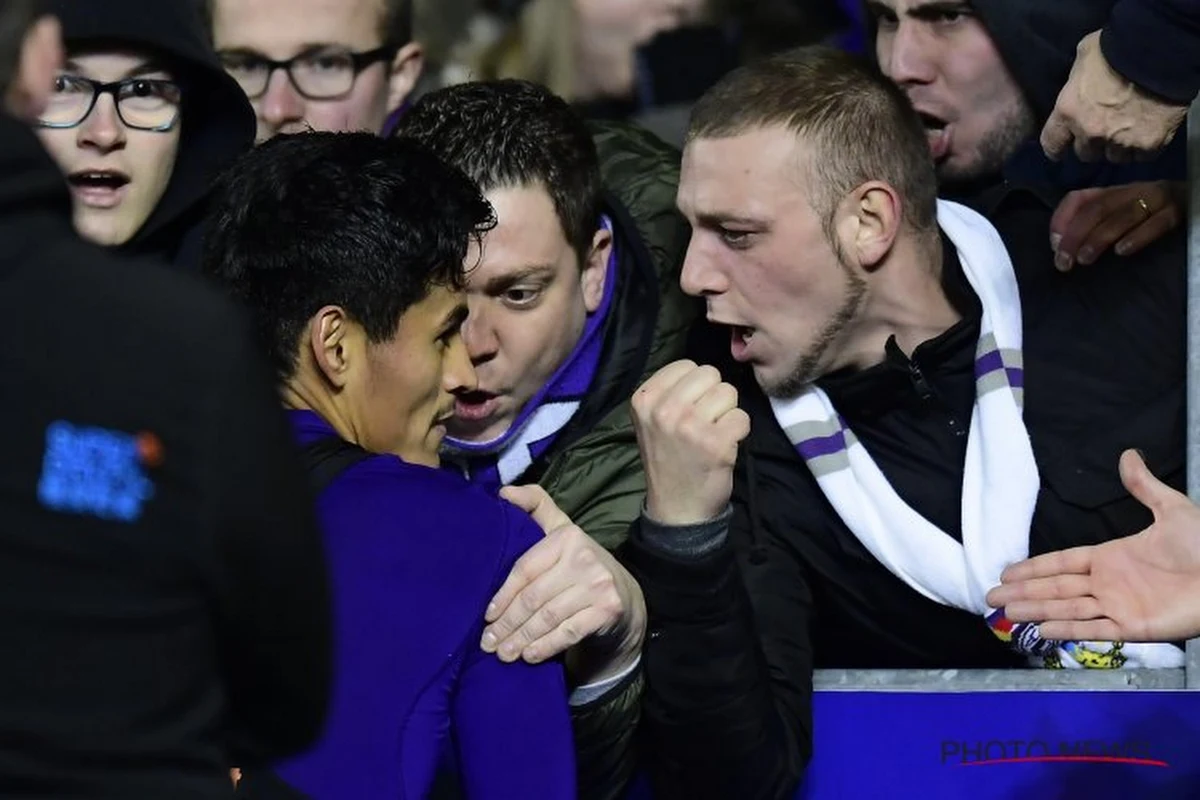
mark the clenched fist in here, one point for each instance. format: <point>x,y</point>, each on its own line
<point>688,427</point>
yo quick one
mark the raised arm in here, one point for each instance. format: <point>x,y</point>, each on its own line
<point>728,660</point>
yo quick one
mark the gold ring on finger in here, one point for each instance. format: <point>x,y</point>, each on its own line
<point>1144,206</point>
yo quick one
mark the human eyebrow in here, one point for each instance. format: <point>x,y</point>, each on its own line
<point>502,283</point>
<point>148,68</point>
<point>721,220</point>
<point>939,10</point>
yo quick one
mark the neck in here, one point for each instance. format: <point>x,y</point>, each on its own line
<point>906,300</point>
<point>304,392</point>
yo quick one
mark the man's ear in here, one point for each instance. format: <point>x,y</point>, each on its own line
<point>595,269</point>
<point>334,342</point>
<point>868,222</point>
<point>403,74</point>
<point>40,59</point>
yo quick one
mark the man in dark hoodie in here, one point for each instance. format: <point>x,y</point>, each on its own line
<point>162,583</point>
<point>984,75</point>
<point>142,120</point>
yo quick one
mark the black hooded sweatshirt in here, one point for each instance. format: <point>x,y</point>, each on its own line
<point>163,615</point>
<point>217,119</point>
<point>1037,40</point>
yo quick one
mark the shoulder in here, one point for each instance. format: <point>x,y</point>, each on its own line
<point>436,506</point>
<point>180,310</point>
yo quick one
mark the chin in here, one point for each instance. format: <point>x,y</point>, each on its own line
<point>101,233</point>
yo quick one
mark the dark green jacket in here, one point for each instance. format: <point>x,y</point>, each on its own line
<point>593,471</point>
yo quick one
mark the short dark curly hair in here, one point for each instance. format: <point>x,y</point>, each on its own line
<point>513,133</point>
<point>347,219</point>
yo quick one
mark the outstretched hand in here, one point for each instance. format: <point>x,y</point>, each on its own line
<point>1142,588</point>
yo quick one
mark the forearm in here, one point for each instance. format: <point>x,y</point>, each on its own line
<point>1139,32</point>
<point>710,710</point>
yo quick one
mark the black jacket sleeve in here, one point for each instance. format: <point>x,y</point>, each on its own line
<point>1156,44</point>
<point>728,665</point>
<point>275,620</point>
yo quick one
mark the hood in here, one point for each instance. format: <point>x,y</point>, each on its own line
<point>1037,40</point>
<point>218,121</point>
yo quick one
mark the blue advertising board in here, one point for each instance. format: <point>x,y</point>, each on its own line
<point>988,746</point>
<point>1141,745</point>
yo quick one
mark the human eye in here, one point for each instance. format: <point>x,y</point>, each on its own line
<point>736,239</point>
<point>522,296</point>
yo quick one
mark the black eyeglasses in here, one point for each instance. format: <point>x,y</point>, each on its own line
<point>144,104</point>
<point>321,75</point>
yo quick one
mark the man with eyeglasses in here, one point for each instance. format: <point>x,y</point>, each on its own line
<point>326,65</point>
<point>141,119</point>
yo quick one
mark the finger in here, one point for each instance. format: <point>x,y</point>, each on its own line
<point>1117,154</point>
<point>1089,150</point>
<point>537,503</point>
<point>694,385</point>
<point>1147,489</point>
<point>1056,136</point>
<point>1090,213</point>
<point>1062,586</point>
<point>1066,212</point>
<point>530,567</point>
<point>548,607</point>
<point>735,425</point>
<point>566,635</point>
<point>1096,630</point>
<point>1123,220</point>
<point>1159,225</point>
<point>716,402</point>
<point>1076,561</point>
<point>1074,609</point>
<point>665,378</point>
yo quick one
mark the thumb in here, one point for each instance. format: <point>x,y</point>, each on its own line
<point>1056,136</point>
<point>536,502</point>
<point>1147,489</point>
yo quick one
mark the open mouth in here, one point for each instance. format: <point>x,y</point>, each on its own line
<point>475,406</point>
<point>937,133</point>
<point>98,188</point>
<point>740,338</point>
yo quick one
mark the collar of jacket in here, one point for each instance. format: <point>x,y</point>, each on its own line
<point>628,333</point>
<point>31,186</point>
<point>894,381</point>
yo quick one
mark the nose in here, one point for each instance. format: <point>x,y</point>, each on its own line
<point>458,375</point>
<point>281,103</point>
<point>701,275</point>
<point>479,335</point>
<point>906,54</point>
<point>103,128</point>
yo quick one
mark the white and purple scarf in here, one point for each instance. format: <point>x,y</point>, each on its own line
<point>499,462</point>
<point>1000,478</point>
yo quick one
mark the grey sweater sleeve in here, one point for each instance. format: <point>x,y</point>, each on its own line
<point>686,541</point>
